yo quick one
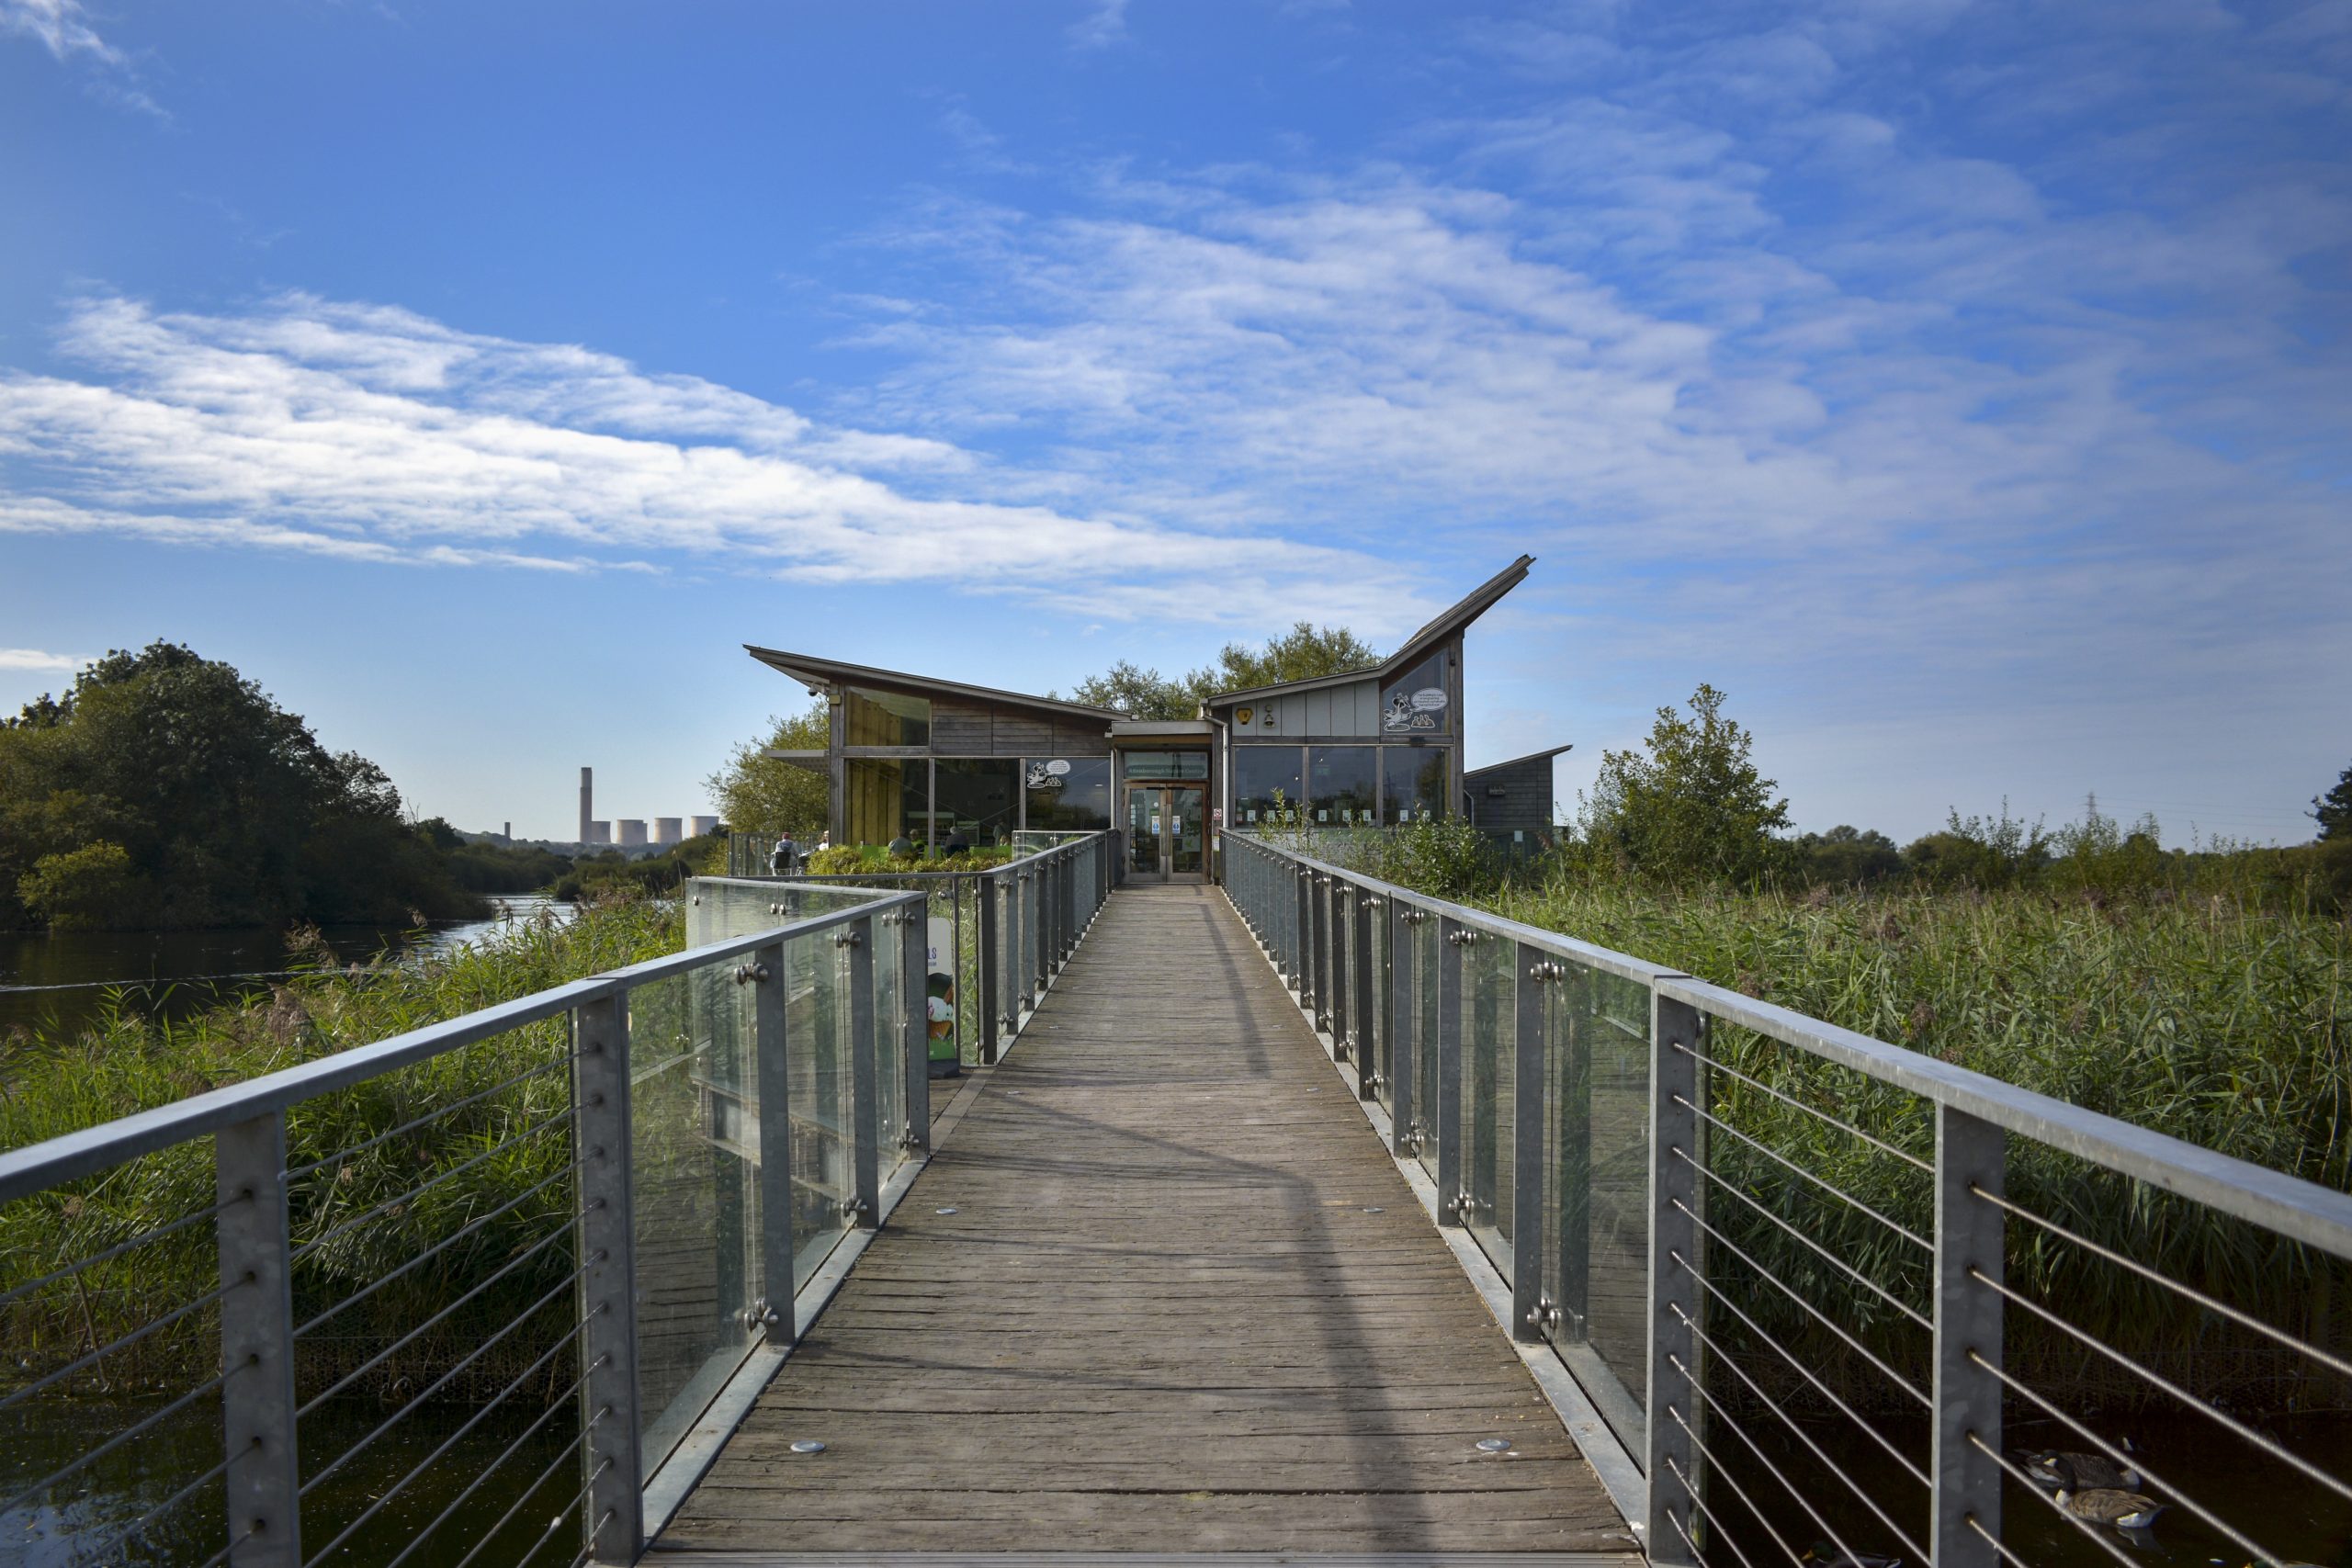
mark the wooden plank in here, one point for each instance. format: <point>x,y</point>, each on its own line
<point>1185,1300</point>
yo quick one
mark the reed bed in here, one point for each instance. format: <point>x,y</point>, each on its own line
<point>2218,1020</point>
<point>364,1203</point>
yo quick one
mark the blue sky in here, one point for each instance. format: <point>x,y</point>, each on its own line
<point>1965,388</point>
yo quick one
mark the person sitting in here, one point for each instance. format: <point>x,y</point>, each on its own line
<point>958,842</point>
<point>785,858</point>
<point>902,847</point>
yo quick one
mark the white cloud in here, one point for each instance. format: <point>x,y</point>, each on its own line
<point>62,25</point>
<point>1105,23</point>
<point>33,658</point>
<point>373,434</point>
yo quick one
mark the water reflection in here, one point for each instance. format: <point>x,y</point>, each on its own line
<point>53,982</point>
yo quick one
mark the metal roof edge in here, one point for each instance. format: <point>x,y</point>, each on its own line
<point>837,670</point>
<point>1464,611</point>
<point>1469,774</point>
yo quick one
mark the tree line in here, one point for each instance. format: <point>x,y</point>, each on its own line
<point>166,791</point>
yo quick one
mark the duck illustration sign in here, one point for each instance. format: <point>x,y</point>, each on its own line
<point>939,983</point>
<point>1414,710</point>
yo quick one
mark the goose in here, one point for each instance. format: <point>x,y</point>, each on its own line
<point>2110,1506</point>
<point>1821,1554</point>
<point>2081,1472</point>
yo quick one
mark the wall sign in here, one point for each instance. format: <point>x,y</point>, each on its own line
<point>1416,710</point>
<point>1243,715</point>
<point>1048,775</point>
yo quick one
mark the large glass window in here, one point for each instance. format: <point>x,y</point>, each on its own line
<point>1258,773</point>
<point>978,797</point>
<point>885,719</point>
<point>1342,784</point>
<point>1168,764</point>
<point>1072,793</point>
<point>1417,702</point>
<point>886,800</point>
<point>1412,784</point>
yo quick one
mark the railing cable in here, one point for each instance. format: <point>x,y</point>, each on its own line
<point>560,1119</point>
<point>372,1362</point>
<point>295,1173</point>
<point>2236,1426</point>
<point>2253,1549</point>
<point>1922,1242</point>
<point>1897,1379</point>
<point>1731,1188</point>
<point>1826,1462</point>
<point>372,1286</point>
<point>442,1380</point>
<point>1763,1458</point>
<point>119,1248</point>
<point>2336,1364</point>
<point>1797,1364</point>
<point>1813,1111</point>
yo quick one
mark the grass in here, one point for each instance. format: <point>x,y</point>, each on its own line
<point>492,1158</point>
<point>2218,1020</point>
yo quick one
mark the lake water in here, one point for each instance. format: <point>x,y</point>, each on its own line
<point>51,984</point>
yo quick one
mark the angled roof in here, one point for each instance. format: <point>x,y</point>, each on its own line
<point>1471,605</point>
<point>1469,774</point>
<point>811,670</point>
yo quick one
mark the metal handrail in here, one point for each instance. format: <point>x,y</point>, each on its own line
<point>37,1166</point>
<point>582,1272</point>
<point>1396,1001</point>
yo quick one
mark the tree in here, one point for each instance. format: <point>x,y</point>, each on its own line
<point>1303,653</point>
<point>167,790</point>
<point>760,795</point>
<point>1847,856</point>
<point>1691,805</point>
<point>1140,693</point>
<point>2333,811</point>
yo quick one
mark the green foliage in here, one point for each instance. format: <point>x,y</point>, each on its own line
<point>1303,653</point>
<point>167,790</point>
<point>2218,1020</point>
<point>760,795</point>
<point>1141,694</point>
<point>128,1063</point>
<point>82,889</point>
<point>848,859</point>
<point>1847,857</point>
<point>1691,805</point>
<point>506,868</point>
<point>613,872</point>
<point>2333,811</point>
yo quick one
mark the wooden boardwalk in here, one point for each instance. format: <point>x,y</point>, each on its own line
<point>1159,1290</point>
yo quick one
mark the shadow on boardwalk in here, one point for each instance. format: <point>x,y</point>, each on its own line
<point>1184,1302</point>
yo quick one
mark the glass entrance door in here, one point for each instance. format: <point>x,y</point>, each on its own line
<point>1167,837</point>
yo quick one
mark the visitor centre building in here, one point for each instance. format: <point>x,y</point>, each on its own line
<point>927,759</point>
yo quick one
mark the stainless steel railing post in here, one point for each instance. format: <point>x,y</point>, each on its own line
<point>1362,1015</point>
<point>263,1483</point>
<point>992,1024</point>
<point>914,1027</point>
<point>1676,1094</point>
<point>771,1067</point>
<point>608,1296</point>
<point>1531,991</point>
<point>1972,1156</point>
<point>1453,1010</point>
<point>1404,1019</point>
<point>1342,991</point>
<point>865,1046</point>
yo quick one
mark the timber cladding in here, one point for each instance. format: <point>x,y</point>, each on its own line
<point>961,727</point>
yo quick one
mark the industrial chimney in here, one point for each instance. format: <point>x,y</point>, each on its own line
<point>587,802</point>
